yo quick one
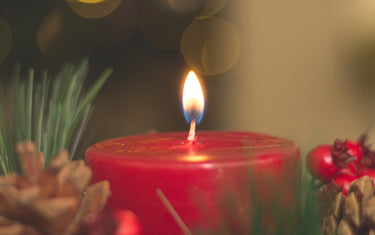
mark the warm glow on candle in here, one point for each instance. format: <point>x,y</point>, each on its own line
<point>194,158</point>
<point>192,98</point>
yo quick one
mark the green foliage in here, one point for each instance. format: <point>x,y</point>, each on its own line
<point>273,218</point>
<point>306,222</point>
<point>310,218</point>
<point>51,111</point>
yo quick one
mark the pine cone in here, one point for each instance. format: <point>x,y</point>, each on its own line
<point>353,214</point>
<point>52,200</point>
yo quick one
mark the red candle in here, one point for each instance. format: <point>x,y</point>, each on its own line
<point>198,178</point>
<point>178,182</point>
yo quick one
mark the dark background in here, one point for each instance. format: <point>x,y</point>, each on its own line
<point>144,92</point>
<point>299,70</point>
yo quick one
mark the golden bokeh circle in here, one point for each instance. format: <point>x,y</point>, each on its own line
<point>211,46</point>
<point>210,8</point>
<point>91,1</point>
<point>115,28</point>
<point>92,9</point>
<point>203,8</point>
<point>161,25</point>
<point>187,6</point>
<point>5,39</point>
<point>49,31</point>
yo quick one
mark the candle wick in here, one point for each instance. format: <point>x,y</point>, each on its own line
<point>191,136</point>
<point>174,213</point>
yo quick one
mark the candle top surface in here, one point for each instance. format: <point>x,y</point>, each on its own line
<point>209,146</point>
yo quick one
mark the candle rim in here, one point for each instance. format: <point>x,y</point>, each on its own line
<point>219,154</point>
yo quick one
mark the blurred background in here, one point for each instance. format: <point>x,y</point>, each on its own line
<point>299,70</point>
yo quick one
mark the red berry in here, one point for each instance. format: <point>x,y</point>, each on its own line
<point>128,223</point>
<point>355,150</point>
<point>320,163</point>
<point>113,222</point>
<point>344,180</point>
<point>350,171</point>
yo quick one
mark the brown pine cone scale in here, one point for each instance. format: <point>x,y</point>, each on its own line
<point>52,200</point>
<point>353,214</point>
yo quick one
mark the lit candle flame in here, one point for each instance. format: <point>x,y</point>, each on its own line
<point>192,102</point>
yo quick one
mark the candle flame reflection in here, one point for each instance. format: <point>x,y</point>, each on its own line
<point>194,158</point>
<point>192,99</point>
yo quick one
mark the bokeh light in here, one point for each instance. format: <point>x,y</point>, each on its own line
<point>161,25</point>
<point>211,7</point>
<point>210,46</point>
<point>359,18</point>
<point>93,9</point>
<point>91,1</point>
<point>113,29</point>
<point>5,39</point>
<point>49,31</point>
<point>357,38</point>
<point>201,8</point>
<point>186,6</point>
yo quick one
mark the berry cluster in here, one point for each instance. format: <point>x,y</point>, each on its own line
<point>342,162</point>
<point>114,222</point>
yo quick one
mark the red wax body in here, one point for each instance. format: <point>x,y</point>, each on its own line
<point>209,183</point>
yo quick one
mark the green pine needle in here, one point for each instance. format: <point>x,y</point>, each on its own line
<point>51,111</point>
<point>280,220</point>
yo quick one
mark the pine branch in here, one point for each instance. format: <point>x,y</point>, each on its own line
<point>52,111</point>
